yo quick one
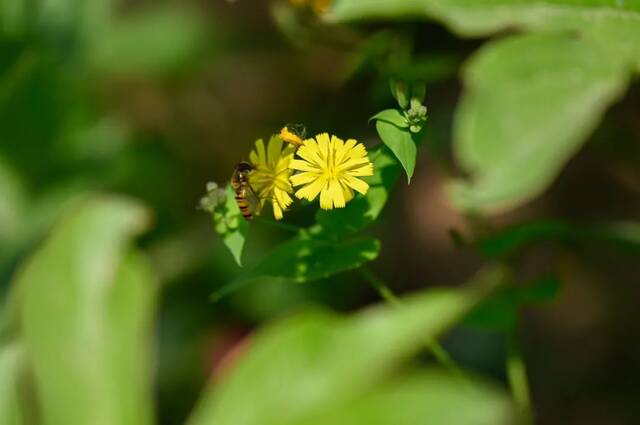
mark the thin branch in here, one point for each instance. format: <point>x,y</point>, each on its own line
<point>517,375</point>
<point>438,351</point>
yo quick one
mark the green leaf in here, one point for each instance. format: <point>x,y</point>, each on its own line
<point>232,226</point>
<point>13,17</point>
<point>314,363</point>
<point>364,210</point>
<point>307,258</point>
<point>617,21</point>
<point>424,397</point>
<point>401,142</point>
<point>625,234</point>
<point>524,116</point>
<point>158,41</point>
<point>500,311</point>
<point>86,317</point>
<point>37,217</point>
<point>11,359</point>
<point>392,116</point>
<point>12,203</point>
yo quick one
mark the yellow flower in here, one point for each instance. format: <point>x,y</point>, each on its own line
<point>270,178</point>
<point>290,137</point>
<point>331,168</point>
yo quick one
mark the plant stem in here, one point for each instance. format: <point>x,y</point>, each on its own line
<point>517,375</point>
<point>432,345</point>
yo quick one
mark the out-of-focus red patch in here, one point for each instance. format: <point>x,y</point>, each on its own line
<point>224,349</point>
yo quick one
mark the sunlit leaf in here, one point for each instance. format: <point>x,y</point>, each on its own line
<point>307,258</point>
<point>86,309</point>
<point>11,360</point>
<point>425,397</point>
<point>617,21</point>
<point>401,142</point>
<point>314,363</point>
<point>232,226</point>
<point>524,116</point>
<point>391,116</point>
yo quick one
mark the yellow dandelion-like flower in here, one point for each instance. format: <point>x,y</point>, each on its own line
<point>270,178</point>
<point>331,168</point>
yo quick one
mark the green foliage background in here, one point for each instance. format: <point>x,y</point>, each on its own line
<point>504,136</point>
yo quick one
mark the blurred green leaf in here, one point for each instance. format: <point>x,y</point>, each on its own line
<point>12,203</point>
<point>37,216</point>
<point>425,397</point>
<point>316,362</point>
<point>86,312</point>
<point>547,101</point>
<point>401,142</point>
<point>500,311</point>
<point>13,17</point>
<point>158,41</point>
<point>306,258</point>
<point>71,25</point>
<point>626,234</point>
<point>486,17</point>
<point>364,210</point>
<point>11,358</point>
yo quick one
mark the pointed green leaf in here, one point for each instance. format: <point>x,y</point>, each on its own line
<point>392,116</point>
<point>86,317</point>
<point>401,142</point>
<point>11,360</point>
<point>234,227</point>
<point>424,397</point>
<point>306,258</point>
<point>315,363</point>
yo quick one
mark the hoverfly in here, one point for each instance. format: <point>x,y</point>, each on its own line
<point>246,198</point>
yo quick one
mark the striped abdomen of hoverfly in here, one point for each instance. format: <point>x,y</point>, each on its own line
<point>245,197</point>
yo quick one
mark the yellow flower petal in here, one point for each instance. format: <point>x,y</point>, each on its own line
<point>356,184</point>
<point>303,178</point>
<point>363,171</point>
<point>337,194</point>
<point>330,167</point>
<point>310,191</point>
<point>297,164</point>
<point>270,178</point>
